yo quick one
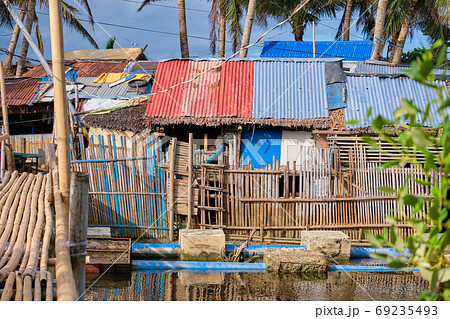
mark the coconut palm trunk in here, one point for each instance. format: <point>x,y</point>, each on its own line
<point>379,29</point>
<point>247,28</point>
<point>183,29</point>
<point>397,52</point>
<point>222,31</point>
<point>24,49</point>
<point>347,20</point>
<point>13,42</point>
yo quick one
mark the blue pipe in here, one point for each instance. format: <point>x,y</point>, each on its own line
<point>367,268</point>
<point>216,154</point>
<point>155,250</point>
<point>192,265</point>
<point>364,252</point>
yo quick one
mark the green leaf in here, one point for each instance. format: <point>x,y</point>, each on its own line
<point>352,122</point>
<point>396,264</point>
<point>420,138</point>
<point>434,212</point>
<point>369,112</point>
<point>410,200</point>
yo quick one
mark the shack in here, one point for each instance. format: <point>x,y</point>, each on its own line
<point>244,145</point>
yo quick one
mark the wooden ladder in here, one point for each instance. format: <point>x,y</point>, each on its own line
<point>212,191</point>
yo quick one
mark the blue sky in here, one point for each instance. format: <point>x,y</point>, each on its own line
<point>161,23</point>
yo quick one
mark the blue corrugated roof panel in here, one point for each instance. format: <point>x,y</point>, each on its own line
<point>290,90</point>
<point>348,50</point>
<point>384,96</point>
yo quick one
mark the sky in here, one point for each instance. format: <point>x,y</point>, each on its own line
<point>157,26</point>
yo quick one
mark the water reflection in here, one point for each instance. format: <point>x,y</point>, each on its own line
<point>154,286</point>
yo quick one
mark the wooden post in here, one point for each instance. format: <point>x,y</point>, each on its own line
<point>314,39</point>
<point>9,153</point>
<point>60,102</point>
<point>172,187</point>
<point>79,198</point>
<point>205,147</point>
<point>190,181</point>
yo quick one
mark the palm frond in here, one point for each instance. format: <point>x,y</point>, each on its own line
<point>69,16</point>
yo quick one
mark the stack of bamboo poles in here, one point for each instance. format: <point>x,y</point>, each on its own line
<point>26,219</point>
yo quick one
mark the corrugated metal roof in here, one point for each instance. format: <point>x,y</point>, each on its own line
<point>376,68</point>
<point>104,91</point>
<point>224,91</point>
<point>384,96</point>
<point>85,69</point>
<point>20,91</point>
<point>349,50</point>
<point>290,90</point>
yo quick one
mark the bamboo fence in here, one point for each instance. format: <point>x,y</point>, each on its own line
<point>138,187</point>
<point>127,184</point>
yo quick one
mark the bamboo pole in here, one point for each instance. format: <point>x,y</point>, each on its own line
<point>27,289</point>
<point>60,103</point>
<point>9,285</point>
<point>49,225</point>
<point>65,283</point>
<point>79,207</point>
<point>9,153</point>
<point>172,188</point>
<point>19,288</point>
<point>37,288</point>
<point>190,181</point>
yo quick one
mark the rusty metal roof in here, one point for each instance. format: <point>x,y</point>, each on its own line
<point>85,69</point>
<point>21,91</point>
<point>225,90</point>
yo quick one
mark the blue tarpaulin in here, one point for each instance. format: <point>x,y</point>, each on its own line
<point>260,146</point>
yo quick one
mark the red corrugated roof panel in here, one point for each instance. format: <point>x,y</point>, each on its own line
<point>20,91</point>
<point>85,69</point>
<point>226,91</point>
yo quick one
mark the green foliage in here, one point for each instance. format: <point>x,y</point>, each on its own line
<point>110,43</point>
<point>432,233</point>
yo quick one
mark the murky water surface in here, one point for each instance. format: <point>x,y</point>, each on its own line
<point>153,286</point>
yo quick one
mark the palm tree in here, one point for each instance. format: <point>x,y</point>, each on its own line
<point>184,46</point>
<point>69,15</point>
<point>365,20</point>
<point>283,9</point>
<point>379,28</point>
<point>248,28</point>
<point>405,16</point>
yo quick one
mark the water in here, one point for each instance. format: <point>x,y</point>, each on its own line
<point>187,286</point>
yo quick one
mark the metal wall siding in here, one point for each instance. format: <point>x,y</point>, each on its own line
<point>220,92</point>
<point>349,50</point>
<point>290,90</point>
<point>384,96</point>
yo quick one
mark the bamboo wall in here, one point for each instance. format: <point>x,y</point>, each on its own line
<point>320,194</point>
<point>31,143</point>
<point>127,186</point>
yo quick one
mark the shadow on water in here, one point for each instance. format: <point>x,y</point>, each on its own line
<point>182,286</point>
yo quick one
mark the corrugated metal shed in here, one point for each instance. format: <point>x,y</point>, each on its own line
<point>384,96</point>
<point>85,69</point>
<point>225,91</point>
<point>348,50</point>
<point>104,91</point>
<point>290,90</point>
<point>375,68</point>
<point>20,91</point>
